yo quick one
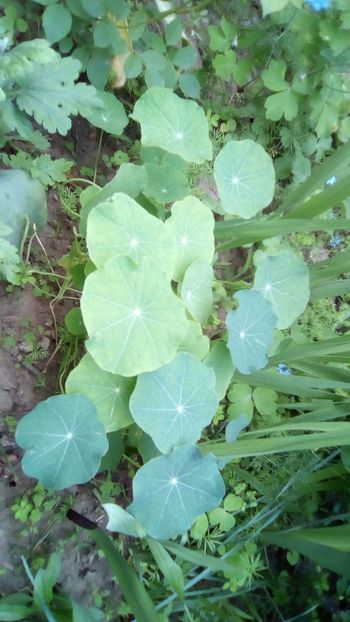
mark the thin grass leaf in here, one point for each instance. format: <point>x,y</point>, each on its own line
<point>326,556</point>
<point>263,446</point>
<point>330,289</point>
<point>133,590</point>
<point>242,232</point>
<point>322,202</point>
<point>318,177</point>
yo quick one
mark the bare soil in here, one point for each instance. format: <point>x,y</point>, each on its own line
<point>21,388</point>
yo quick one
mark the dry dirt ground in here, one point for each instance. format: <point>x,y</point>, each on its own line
<point>21,388</point>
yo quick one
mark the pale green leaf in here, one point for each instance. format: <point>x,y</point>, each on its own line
<point>171,491</point>
<point>194,341</point>
<point>63,441</point>
<point>176,402</point>
<point>271,6</point>
<point>129,310</point>
<point>245,178</point>
<point>130,179</point>
<point>174,124</point>
<point>196,290</point>
<point>122,227</point>
<point>192,224</point>
<point>283,280</point>
<point>120,521</point>
<point>110,393</point>
<point>250,331</point>
<point>220,361</point>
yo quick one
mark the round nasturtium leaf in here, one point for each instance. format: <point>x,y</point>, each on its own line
<point>174,124</point>
<point>250,331</point>
<point>192,224</point>
<point>109,392</point>
<point>283,280</point>
<point>171,491</point>
<point>122,227</point>
<point>174,403</point>
<point>245,178</point>
<point>111,116</point>
<point>196,290</point>
<point>165,183</point>
<point>133,318</point>
<point>64,441</point>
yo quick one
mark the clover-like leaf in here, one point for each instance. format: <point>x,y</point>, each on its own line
<point>109,392</point>
<point>122,227</point>
<point>171,491</point>
<point>284,104</point>
<point>245,178</point>
<point>192,224</point>
<point>64,441</point>
<point>250,331</point>
<point>174,124</point>
<point>134,320</point>
<point>283,280</point>
<point>196,290</point>
<point>174,403</point>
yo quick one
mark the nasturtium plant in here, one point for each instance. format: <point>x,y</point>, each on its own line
<point>130,179</point>
<point>166,183</point>
<point>194,341</point>
<point>250,331</point>
<point>109,393</point>
<point>121,521</point>
<point>174,403</point>
<point>283,280</point>
<point>220,361</point>
<point>63,441</point>
<point>192,224</point>
<point>174,124</point>
<point>196,290</point>
<point>129,309</point>
<point>170,491</point>
<point>122,227</point>
<point>245,178</point>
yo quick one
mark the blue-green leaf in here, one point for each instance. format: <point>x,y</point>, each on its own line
<point>283,280</point>
<point>174,403</point>
<point>64,441</point>
<point>250,331</point>
<point>171,491</point>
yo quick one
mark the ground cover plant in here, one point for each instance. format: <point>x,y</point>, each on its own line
<point>207,349</point>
